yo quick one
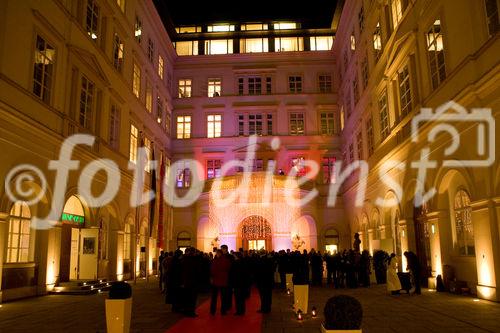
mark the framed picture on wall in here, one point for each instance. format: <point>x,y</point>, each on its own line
<point>89,245</point>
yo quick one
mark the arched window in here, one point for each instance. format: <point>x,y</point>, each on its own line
<point>331,241</point>
<point>18,243</point>
<point>463,224</point>
<point>183,240</point>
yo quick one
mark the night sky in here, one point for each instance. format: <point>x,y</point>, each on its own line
<point>313,13</point>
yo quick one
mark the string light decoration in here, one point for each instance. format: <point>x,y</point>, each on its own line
<point>253,206</point>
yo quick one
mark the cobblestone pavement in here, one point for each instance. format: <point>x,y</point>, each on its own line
<point>429,312</point>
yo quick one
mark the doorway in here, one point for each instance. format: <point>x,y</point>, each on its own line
<point>255,233</point>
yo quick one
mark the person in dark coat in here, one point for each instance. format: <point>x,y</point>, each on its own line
<point>190,281</point>
<point>264,279</point>
<point>174,273</point>
<point>364,269</point>
<point>316,268</point>
<point>219,271</point>
<point>228,298</point>
<point>414,268</point>
<point>160,270</point>
<point>239,280</point>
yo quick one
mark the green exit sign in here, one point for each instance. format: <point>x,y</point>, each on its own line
<point>72,218</point>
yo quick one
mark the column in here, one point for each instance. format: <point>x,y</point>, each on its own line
<point>3,237</point>
<point>403,229</point>
<point>487,248</point>
<point>370,241</point>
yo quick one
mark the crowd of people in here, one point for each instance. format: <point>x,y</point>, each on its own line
<point>230,276</point>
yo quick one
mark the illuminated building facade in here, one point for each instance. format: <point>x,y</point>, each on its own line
<point>203,91</point>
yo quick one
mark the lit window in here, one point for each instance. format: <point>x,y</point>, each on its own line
<point>151,49</point>
<point>325,83</point>
<point>214,126</point>
<point>464,227</point>
<point>134,139</point>
<point>491,7</point>
<point>92,19</point>
<point>254,85</point>
<point>138,29</point>
<point>43,69</point>
<point>136,82</point>
<point>296,124</point>
<point>328,168</point>
<point>384,115</point>
<point>220,28</point>
<point>160,67</point>
<point>114,126</point>
<point>18,242</point>
<point>435,51</point>
<point>183,127</point>
<point>353,42</point>
<point>298,164</point>
<point>283,44</point>
<point>213,168</point>
<point>184,88</point>
<point>86,102</point>
<point>183,176</point>
<point>295,84</point>
<point>149,97</point>
<point>370,137</point>
<point>285,25</point>
<point>397,9</point>
<point>342,118</point>
<point>186,48</point>
<point>255,124</point>
<point>219,46</point>
<point>359,140</point>
<point>187,30</point>
<point>250,45</point>
<point>377,41</point>
<point>214,87</point>
<point>254,26</point>
<point>327,123</point>
<point>321,43</point>
<point>118,53</point>
<point>405,97</point>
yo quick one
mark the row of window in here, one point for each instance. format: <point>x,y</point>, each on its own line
<point>254,85</point>
<point>253,45</point>
<point>255,124</point>
<point>213,169</point>
<point>224,27</point>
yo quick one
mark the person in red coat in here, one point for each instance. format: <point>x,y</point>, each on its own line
<point>219,272</point>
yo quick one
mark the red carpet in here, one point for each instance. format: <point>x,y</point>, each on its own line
<point>251,322</point>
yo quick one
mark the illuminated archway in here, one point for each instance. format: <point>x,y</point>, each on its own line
<point>255,233</point>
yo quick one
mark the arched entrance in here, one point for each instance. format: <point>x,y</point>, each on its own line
<point>79,245</point>
<point>255,233</point>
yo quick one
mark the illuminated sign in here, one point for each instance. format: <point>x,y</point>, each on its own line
<point>72,218</point>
